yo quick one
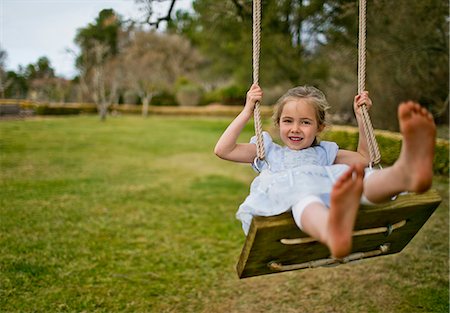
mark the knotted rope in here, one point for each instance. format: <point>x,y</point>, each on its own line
<point>374,150</point>
<point>260,152</point>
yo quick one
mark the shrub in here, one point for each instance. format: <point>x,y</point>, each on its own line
<point>213,96</point>
<point>390,148</point>
<point>164,98</point>
<point>234,95</point>
<point>441,163</point>
<point>64,110</point>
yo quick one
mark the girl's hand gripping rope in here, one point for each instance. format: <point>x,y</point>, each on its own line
<point>253,95</point>
<point>360,100</point>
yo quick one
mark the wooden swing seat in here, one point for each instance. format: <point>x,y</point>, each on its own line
<point>275,244</point>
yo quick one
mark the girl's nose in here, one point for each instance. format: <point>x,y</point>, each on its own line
<point>296,127</point>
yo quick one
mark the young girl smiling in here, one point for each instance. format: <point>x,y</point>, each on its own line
<point>321,184</point>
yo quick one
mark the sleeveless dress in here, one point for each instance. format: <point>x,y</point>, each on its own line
<point>289,176</point>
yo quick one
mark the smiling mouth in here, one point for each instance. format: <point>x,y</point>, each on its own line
<point>295,138</point>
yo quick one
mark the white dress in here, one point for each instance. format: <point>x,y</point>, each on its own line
<point>289,176</point>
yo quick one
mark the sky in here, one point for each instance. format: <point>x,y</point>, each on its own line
<point>30,29</point>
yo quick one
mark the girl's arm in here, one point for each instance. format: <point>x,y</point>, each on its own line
<point>362,152</point>
<point>227,147</point>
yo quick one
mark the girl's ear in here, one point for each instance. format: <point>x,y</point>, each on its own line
<point>321,128</point>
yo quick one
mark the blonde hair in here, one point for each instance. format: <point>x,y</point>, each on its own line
<point>312,95</point>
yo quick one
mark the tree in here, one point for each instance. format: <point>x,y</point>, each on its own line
<point>42,69</point>
<point>41,80</point>
<point>100,78</point>
<point>3,77</point>
<point>16,86</point>
<point>411,60</point>
<point>315,42</point>
<point>97,62</point>
<point>105,30</point>
<point>407,57</point>
<point>291,35</point>
<point>155,61</point>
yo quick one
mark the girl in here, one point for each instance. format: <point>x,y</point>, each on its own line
<point>309,177</point>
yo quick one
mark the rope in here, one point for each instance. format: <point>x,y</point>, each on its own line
<point>374,151</point>
<point>260,153</point>
<point>279,267</point>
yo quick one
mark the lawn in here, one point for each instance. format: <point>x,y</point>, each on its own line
<point>137,215</point>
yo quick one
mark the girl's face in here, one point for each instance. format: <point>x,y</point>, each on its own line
<point>298,124</point>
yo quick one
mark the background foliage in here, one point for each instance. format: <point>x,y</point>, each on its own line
<point>303,42</point>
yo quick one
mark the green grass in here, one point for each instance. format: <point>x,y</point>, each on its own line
<point>137,215</point>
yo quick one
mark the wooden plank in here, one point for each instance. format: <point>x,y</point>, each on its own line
<point>263,246</point>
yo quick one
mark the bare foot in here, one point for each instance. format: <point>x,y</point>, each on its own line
<point>416,157</point>
<point>345,200</point>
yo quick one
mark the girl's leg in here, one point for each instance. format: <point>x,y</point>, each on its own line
<point>333,226</point>
<point>413,171</point>
<point>345,201</point>
<point>311,216</point>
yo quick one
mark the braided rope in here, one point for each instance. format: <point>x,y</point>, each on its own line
<point>260,152</point>
<point>374,151</point>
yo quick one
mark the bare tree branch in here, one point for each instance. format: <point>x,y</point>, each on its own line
<point>149,11</point>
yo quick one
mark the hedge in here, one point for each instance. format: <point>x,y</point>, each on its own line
<point>64,110</point>
<point>390,146</point>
